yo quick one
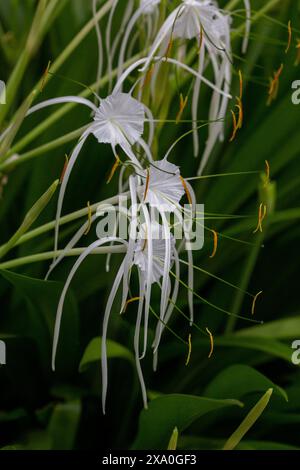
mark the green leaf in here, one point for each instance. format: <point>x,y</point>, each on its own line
<point>169,411</point>
<point>37,321</point>
<point>279,329</point>
<point>93,352</point>
<point>173,440</point>
<point>249,421</point>
<point>239,380</point>
<point>63,425</point>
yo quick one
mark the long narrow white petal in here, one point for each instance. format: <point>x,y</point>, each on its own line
<point>108,308</point>
<point>148,275</point>
<point>247,26</point>
<point>132,241</point>
<point>167,267</point>
<point>74,240</point>
<point>60,100</point>
<point>171,61</point>
<point>63,186</point>
<point>77,264</point>
<point>169,312</point>
<point>196,93</point>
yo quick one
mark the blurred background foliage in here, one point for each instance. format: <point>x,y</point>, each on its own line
<point>40,409</point>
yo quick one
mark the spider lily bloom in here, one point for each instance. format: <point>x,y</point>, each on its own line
<point>203,21</point>
<point>119,121</point>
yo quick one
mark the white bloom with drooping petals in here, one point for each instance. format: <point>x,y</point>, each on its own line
<point>165,186</point>
<point>119,120</point>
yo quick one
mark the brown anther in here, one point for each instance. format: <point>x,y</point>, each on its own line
<point>241,84</point>
<point>129,301</point>
<point>215,248</point>
<point>187,192</point>
<point>267,176</point>
<point>189,351</point>
<point>262,212</point>
<point>182,105</point>
<point>274,85</point>
<point>64,169</point>
<point>44,77</point>
<point>289,37</point>
<point>254,302</point>
<point>235,126</point>
<point>89,222</point>
<point>147,184</point>
<point>211,343</point>
<point>148,77</point>
<point>169,48</point>
<point>113,170</point>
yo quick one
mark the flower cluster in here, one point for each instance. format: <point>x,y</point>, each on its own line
<point>176,35</point>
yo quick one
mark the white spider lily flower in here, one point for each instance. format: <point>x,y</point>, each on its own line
<point>163,186</point>
<point>119,120</point>
<point>204,21</point>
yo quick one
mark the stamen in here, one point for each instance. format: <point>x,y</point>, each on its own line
<point>262,212</point>
<point>44,78</point>
<point>148,77</point>
<point>241,84</point>
<point>188,194</point>
<point>190,350</point>
<point>274,85</point>
<point>201,38</point>
<point>182,105</point>
<point>290,37</point>
<point>235,126</point>
<point>147,184</point>
<point>129,301</point>
<point>297,60</point>
<point>254,301</point>
<point>267,173</point>
<point>215,244</point>
<point>113,170</point>
<point>239,105</point>
<point>211,343</point>
<point>64,169</point>
<point>169,48</point>
<point>89,218</point>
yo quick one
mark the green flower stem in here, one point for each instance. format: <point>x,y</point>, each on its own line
<point>49,255</point>
<point>30,218</point>
<point>12,163</point>
<point>68,218</point>
<point>20,68</point>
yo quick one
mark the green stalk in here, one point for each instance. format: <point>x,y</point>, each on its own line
<point>67,218</point>
<point>11,164</point>
<point>40,25</point>
<point>30,218</point>
<point>49,255</point>
<point>249,421</point>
